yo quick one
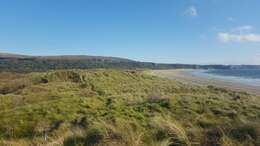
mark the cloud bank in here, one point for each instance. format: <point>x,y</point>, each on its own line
<point>239,34</point>
<point>228,37</point>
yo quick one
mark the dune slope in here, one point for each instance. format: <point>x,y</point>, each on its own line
<point>124,108</point>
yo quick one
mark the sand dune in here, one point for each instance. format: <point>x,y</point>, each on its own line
<point>185,75</point>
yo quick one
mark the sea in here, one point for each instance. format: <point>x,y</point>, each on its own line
<point>250,77</point>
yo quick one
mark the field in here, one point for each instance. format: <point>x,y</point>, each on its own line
<point>122,108</point>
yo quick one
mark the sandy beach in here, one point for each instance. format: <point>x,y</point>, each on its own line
<point>185,75</point>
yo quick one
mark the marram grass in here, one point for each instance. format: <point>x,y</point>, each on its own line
<point>122,108</point>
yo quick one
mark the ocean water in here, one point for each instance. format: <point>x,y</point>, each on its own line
<point>241,73</point>
<point>249,77</point>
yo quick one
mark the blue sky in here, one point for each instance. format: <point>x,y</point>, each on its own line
<point>167,31</point>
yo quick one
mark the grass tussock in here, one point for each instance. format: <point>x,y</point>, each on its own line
<point>123,108</point>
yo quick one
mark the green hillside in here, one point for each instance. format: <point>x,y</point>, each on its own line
<point>23,63</point>
<point>122,108</point>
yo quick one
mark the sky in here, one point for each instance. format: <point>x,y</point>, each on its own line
<point>165,31</point>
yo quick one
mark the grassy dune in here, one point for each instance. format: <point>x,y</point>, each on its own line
<point>122,108</point>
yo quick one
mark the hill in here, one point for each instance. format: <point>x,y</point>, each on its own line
<point>123,108</point>
<point>64,57</point>
<point>24,63</point>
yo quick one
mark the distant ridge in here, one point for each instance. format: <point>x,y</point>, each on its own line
<point>26,63</point>
<point>63,57</point>
<point>9,55</point>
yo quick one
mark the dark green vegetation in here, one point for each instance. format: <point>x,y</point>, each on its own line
<point>21,63</point>
<point>122,108</point>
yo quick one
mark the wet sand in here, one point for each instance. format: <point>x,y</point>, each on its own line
<point>185,75</point>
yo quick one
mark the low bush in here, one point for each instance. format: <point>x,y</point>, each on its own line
<point>245,132</point>
<point>94,136</point>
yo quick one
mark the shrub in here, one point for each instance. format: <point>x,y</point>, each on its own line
<point>245,132</point>
<point>109,103</point>
<point>65,76</point>
<point>44,80</point>
<point>173,130</point>
<point>94,136</point>
<point>212,137</point>
<point>56,124</point>
<point>161,134</point>
<point>203,123</point>
<point>165,103</point>
<point>75,77</point>
<point>80,122</point>
<point>12,87</point>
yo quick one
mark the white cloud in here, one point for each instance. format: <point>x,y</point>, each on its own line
<point>243,29</point>
<point>230,18</point>
<point>229,37</point>
<point>192,11</point>
<point>243,33</point>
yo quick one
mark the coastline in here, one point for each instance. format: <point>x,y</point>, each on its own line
<point>187,76</point>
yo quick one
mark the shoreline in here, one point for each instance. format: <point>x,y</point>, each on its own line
<point>186,76</point>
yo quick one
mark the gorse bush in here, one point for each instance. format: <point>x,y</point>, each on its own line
<point>123,108</point>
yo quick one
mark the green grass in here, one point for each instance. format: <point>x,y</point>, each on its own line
<point>122,107</point>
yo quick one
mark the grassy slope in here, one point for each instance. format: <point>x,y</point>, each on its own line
<point>112,107</point>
